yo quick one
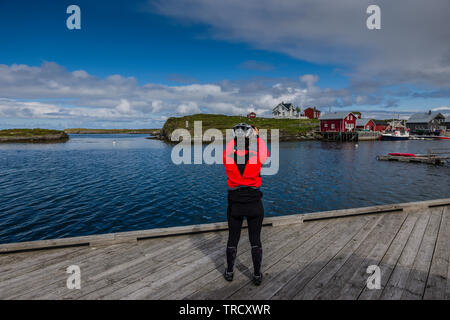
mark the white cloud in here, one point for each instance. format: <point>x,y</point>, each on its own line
<point>188,108</point>
<point>124,107</point>
<point>52,92</point>
<point>442,108</point>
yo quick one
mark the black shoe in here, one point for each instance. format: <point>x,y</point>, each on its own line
<point>257,279</point>
<point>228,275</point>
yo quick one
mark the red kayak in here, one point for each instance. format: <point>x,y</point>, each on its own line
<point>402,154</point>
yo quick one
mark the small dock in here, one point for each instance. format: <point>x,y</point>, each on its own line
<point>431,158</point>
<point>323,255</point>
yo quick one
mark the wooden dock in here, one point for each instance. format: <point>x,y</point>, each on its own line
<point>321,255</point>
<point>436,160</point>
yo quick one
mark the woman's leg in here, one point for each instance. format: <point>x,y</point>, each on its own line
<point>234,230</point>
<point>234,233</point>
<point>254,232</point>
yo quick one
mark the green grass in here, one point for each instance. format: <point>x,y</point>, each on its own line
<point>223,122</point>
<point>27,132</point>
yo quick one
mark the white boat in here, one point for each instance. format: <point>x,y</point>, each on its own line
<point>395,131</point>
<point>395,135</point>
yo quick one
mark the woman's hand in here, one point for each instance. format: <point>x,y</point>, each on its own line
<point>255,129</point>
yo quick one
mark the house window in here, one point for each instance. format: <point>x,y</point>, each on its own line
<point>332,126</point>
<point>326,125</point>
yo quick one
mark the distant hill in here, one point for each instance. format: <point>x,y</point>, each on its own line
<point>110,131</point>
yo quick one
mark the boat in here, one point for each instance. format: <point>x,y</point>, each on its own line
<point>429,138</point>
<point>395,131</point>
<point>395,135</point>
<point>397,154</point>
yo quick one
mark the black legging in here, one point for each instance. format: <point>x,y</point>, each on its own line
<point>254,212</point>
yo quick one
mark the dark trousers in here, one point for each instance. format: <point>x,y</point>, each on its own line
<point>254,213</point>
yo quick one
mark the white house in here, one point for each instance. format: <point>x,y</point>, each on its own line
<point>285,111</point>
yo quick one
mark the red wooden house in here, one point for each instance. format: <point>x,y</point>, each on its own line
<point>251,115</point>
<point>338,122</point>
<point>365,124</point>
<point>380,125</point>
<point>312,113</point>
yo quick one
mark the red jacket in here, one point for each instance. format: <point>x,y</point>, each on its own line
<point>251,176</point>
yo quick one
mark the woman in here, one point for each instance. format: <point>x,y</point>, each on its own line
<point>243,157</point>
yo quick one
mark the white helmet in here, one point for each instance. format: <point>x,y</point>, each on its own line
<point>242,130</point>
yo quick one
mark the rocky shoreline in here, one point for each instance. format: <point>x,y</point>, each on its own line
<point>166,137</point>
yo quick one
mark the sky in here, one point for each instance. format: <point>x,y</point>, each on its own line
<point>135,63</point>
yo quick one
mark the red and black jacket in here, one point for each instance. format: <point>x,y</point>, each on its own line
<point>247,173</point>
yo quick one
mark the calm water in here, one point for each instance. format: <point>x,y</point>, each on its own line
<point>90,185</point>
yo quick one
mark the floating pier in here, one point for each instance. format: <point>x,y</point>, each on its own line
<point>322,255</point>
<point>421,158</point>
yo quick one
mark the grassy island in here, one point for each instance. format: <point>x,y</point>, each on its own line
<point>290,129</point>
<point>32,135</point>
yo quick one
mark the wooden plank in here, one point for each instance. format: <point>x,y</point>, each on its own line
<point>217,290</point>
<point>47,287</point>
<point>287,267</point>
<point>132,279</point>
<point>314,286</point>
<point>168,286</point>
<point>26,282</point>
<point>99,274</point>
<point>386,226</point>
<point>353,288</point>
<point>92,268</point>
<point>417,280</point>
<point>312,268</point>
<point>284,236</point>
<point>396,283</point>
<point>280,270</point>
<point>157,285</point>
<point>29,261</point>
<point>55,277</point>
<point>391,257</point>
<point>437,279</point>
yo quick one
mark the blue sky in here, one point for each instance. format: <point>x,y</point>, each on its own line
<point>135,63</point>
